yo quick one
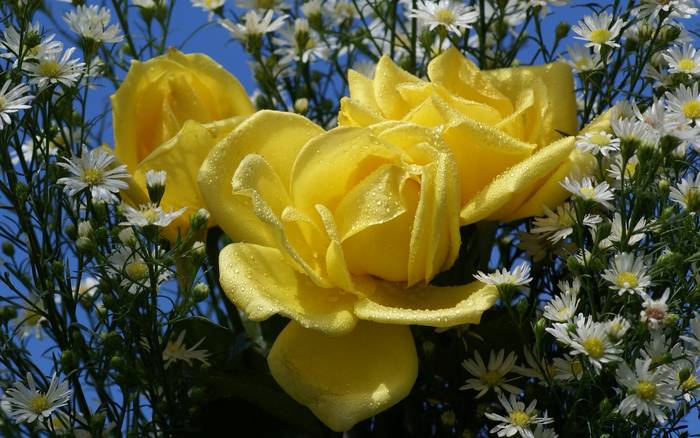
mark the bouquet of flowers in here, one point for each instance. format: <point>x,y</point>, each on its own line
<point>423,218</point>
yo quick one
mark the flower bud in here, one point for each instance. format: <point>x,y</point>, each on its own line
<point>448,418</point>
<point>8,313</point>
<point>117,363</point>
<point>8,248</point>
<point>70,231</point>
<point>301,105</point>
<point>127,237</point>
<point>198,251</point>
<point>200,219</point>
<point>200,292</point>
<point>664,186</point>
<point>85,245</point>
<point>84,229</point>
<point>68,360</point>
<point>562,30</point>
<point>155,184</point>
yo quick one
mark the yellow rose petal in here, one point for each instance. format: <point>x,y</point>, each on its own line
<point>362,90</point>
<point>355,113</point>
<point>387,77</point>
<point>431,305</point>
<point>345,379</point>
<point>260,282</point>
<point>277,137</point>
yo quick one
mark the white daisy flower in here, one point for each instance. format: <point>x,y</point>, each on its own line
<point>28,403</point>
<point>208,6</point>
<point>628,274</point>
<point>177,350</point>
<point>617,327</point>
<point>581,58</point>
<point>561,308</point>
<point>491,377</point>
<point>87,288</point>
<point>29,149</point>
<point>558,225</point>
<point>634,234</point>
<point>683,59</point>
<point>312,8</point>
<point>654,312</point>
<point>616,172</point>
<point>92,22</point>
<point>692,340</point>
<point>567,368</point>
<point>261,4</point>
<point>16,44</point>
<point>684,105</point>
<point>536,369</point>
<point>519,420</point>
<point>146,4</point>
<point>687,193</point>
<point>50,69</point>
<point>648,391</point>
<point>298,43</point>
<point>126,264</point>
<point>596,142</point>
<point>599,30</point>
<point>254,24</point>
<point>601,193</point>
<point>542,431</point>
<point>651,9</point>
<point>12,100</point>
<point>156,178</point>
<point>519,276</point>
<point>149,214</point>
<point>340,10</point>
<point>657,349</point>
<point>452,16</point>
<point>92,171</point>
<point>684,375</point>
<point>630,129</point>
<point>588,338</point>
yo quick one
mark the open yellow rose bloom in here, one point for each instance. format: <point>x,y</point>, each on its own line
<point>511,130</point>
<point>342,231</point>
<point>167,114</point>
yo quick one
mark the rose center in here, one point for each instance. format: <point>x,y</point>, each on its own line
<point>691,110</point>
<point>646,390</point>
<point>519,418</point>
<point>600,36</point>
<point>627,280</point>
<point>594,347</point>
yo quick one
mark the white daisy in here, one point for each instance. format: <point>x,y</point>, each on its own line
<point>30,44</point>
<point>651,9</point>
<point>208,5</point>
<point>596,142</point>
<point>601,193</point>
<point>588,338</point>
<point>519,276</point>
<point>683,59</point>
<point>692,340</point>
<point>30,149</point>
<point>542,431</point>
<point>634,234</point>
<point>567,368</point>
<point>630,129</point>
<point>684,105</point>
<point>537,369</point>
<point>92,22</point>
<point>581,58</point>
<point>654,312</point>
<point>558,225</point>
<point>493,376</point>
<point>12,100</point>
<point>599,30</point>
<point>50,69</point>
<point>254,24</point>
<point>92,170</point>
<point>687,193</point>
<point>149,214</point>
<point>28,403</point>
<point>126,264</point>
<point>617,327</point>
<point>519,419</point>
<point>616,172</point>
<point>454,17</point>
<point>298,43</point>
<point>156,178</point>
<point>628,274</point>
<point>177,350</point>
<point>657,349</point>
<point>312,8</point>
<point>341,11</point>
<point>561,308</point>
<point>648,391</point>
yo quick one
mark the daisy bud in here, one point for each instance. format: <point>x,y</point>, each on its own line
<point>448,418</point>
<point>301,105</point>
<point>562,30</point>
<point>126,236</point>
<point>101,312</point>
<point>68,360</point>
<point>70,231</point>
<point>111,340</point>
<point>155,184</point>
<point>84,229</point>
<point>117,363</point>
<point>7,313</point>
<point>8,248</point>
<point>84,245</point>
<point>684,375</point>
<point>199,220</point>
<point>664,186</point>
<point>199,250</point>
<point>200,292</point>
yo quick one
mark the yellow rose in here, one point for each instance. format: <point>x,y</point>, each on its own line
<point>510,130</point>
<point>341,231</point>
<point>167,114</point>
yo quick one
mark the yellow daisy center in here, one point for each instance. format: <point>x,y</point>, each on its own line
<point>151,215</point>
<point>600,36</point>
<point>587,192</point>
<point>627,279</point>
<point>646,390</point>
<point>576,368</point>
<point>3,103</point>
<point>691,109</point>
<point>92,176</point>
<point>445,16</point>
<point>39,403</point>
<point>565,220</point>
<point>519,418</point>
<point>491,378</point>
<point>49,68</point>
<point>136,270</point>
<point>599,140</point>
<point>594,347</point>
<point>686,64</point>
<point>630,168</point>
<point>689,384</point>
<point>583,64</point>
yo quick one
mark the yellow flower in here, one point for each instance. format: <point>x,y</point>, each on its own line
<point>341,231</point>
<point>510,130</point>
<point>167,114</point>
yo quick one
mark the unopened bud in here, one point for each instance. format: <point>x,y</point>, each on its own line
<point>8,248</point>
<point>200,292</point>
<point>8,313</point>
<point>127,237</point>
<point>200,219</point>
<point>199,250</point>
<point>68,360</point>
<point>562,30</point>
<point>155,184</point>
<point>84,229</point>
<point>84,245</point>
<point>301,105</point>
